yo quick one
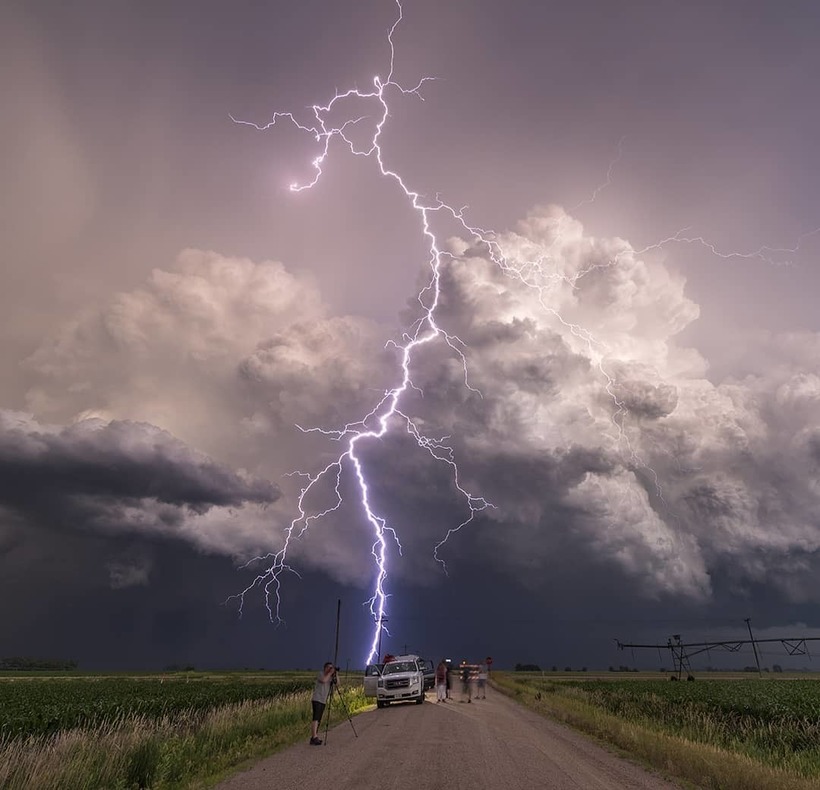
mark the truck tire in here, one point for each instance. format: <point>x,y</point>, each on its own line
<point>420,698</point>
<point>380,704</point>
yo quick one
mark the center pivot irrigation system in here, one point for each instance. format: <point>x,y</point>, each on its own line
<point>683,651</point>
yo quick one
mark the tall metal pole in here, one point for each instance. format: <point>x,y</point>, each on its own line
<point>333,685</point>
<point>748,622</point>
<point>338,615</point>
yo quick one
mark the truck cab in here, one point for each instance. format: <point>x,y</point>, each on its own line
<point>399,680</point>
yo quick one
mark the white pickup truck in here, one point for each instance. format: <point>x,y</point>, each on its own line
<point>402,679</point>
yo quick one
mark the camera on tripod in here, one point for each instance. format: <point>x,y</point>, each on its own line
<point>335,694</point>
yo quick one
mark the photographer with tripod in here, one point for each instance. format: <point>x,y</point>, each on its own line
<point>321,691</point>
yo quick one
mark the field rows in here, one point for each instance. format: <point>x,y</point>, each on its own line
<point>776,722</point>
<point>46,706</point>
<point>162,732</point>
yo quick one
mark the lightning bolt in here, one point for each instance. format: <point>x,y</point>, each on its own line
<point>764,253</point>
<point>388,414</point>
<point>597,191</point>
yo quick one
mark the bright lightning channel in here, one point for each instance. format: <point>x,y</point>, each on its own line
<point>388,413</point>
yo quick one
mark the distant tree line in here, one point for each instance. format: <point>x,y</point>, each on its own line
<point>25,663</point>
<point>537,668</point>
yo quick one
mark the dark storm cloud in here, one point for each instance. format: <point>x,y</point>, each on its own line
<point>113,476</point>
<point>129,572</point>
<point>608,443</point>
<point>575,410</point>
<point>644,436</point>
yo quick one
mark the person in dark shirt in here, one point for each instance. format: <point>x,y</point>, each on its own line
<point>466,687</point>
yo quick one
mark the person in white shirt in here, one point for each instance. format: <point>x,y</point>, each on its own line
<point>482,682</point>
<point>441,681</point>
<point>321,692</point>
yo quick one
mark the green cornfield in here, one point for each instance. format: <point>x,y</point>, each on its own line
<point>158,732</point>
<point>44,706</point>
<point>774,722</point>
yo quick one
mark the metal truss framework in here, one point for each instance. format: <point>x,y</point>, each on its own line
<point>682,652</point>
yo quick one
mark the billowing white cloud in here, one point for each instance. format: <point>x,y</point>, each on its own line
<point>319,373</point>
<point>614,435</point>
<point>167,352</point>
<point>593,430</point>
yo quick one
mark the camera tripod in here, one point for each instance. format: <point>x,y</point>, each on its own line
<point>334,690</point>
<point>334,683</point>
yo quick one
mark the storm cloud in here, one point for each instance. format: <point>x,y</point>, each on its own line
<point>631,384</point>
<point>119,477</point>
<point>575,411</point>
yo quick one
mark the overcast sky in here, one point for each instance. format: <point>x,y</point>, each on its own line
<point>635,390</point>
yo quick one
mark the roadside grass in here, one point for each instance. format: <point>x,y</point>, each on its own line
<point>701,757</point>
<point>189,749</point>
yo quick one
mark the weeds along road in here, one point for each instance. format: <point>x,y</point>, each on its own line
<point>491,744</point>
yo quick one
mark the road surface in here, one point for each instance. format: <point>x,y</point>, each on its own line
<point>488,744</point>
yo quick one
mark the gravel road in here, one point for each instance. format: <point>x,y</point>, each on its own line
<point>491,744</point>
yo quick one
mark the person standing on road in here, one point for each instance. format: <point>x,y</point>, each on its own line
<point>466,689</point>
<point>441,681</point>
<point>320,694</point>
<point>482,682</point>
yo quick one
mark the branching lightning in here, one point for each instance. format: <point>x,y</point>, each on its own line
<point>776,256</point>
<point>388,414</point>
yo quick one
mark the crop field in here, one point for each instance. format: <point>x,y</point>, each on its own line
<point>773,722</point>
<point>39,706</point>
<point>140,731</point>
<point>780,720</point>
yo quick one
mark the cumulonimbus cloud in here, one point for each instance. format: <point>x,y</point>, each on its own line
<point>587,422</point>
<point>685,477</point>
<point>175,340</point>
